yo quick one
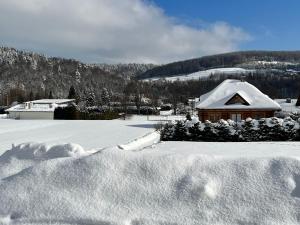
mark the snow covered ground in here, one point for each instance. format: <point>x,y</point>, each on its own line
<point>89,134</point>
<point>162,185</point>
<point>167,183</point>
<point>205,74</point>
<point>232,150</point>
<point>288,107</point>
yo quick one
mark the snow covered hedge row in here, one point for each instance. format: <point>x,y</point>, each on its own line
<point>267,129</point>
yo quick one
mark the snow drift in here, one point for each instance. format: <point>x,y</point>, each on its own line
<point>149,187</point>
<point>142,142</point>
<point>26,155</point>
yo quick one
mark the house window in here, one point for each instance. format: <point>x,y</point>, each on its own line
<point>236,117</point>
<point>214,117</point>
<point>259,116</point>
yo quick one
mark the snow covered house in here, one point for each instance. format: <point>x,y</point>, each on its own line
<point>236,100</point>
<point>42,109</point>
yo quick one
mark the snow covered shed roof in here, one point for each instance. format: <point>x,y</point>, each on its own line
<point>52,101</point>
<point>236,94</point>
<point>42,105</point>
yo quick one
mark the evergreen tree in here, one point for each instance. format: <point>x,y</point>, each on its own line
<point>180,131</point>
<point>167,133</point>
<point>195,132</point>
<point>277,131</point>
<point>225,131</point>
<point>263,130</point>
<point>289,129</point>
<point>50,95</point>
<point>248,131</point>
<point>72,93</point>
<point>297,134</point>
<point>188,117</point>
<point>105,97</point>
<point>31,96</point>
<point>298,101</point>
<point>67,113</point>
<point>91,99</point>
<point>37,96</point>
<point>209,132</point>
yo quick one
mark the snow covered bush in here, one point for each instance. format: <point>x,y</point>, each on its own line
<point>249,130</point>
<point>209,131</point>
<point>167,133</point>
<point>226,131</point>
<point>195,132</point>
<point>180,131</point>
<point>266,129</point>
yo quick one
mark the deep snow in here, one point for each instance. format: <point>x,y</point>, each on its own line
<point>170,183</point>
<point>89,134</point>
<point>232,150</point>
<point>152,187</point>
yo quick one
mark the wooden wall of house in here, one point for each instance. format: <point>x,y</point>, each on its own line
<point>215,115</point>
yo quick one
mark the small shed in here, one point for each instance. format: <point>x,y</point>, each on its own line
<point>42,109</point>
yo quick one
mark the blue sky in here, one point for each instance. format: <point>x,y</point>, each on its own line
<point>148,31</point>
<point>272,24</point>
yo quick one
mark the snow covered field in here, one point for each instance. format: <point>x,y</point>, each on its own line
<point>205,74</point>
<point>233,150</point>
<point>89,134</point>
<point>167,183</point>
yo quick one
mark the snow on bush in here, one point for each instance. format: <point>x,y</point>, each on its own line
<point>121,187</point>
<point>266,129</point>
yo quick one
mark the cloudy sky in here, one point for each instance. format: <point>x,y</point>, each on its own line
<point>115,31</point>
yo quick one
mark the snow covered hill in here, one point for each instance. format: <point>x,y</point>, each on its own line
<point>205,74</point>
<point>28,71</point>
<point>245,59</point>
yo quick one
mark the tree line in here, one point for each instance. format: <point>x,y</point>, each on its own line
<point>266,129</point>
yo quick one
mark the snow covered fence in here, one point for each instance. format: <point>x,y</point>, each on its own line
<point>266,129</point>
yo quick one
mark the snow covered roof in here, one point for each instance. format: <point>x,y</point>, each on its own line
<point>52,101</point>
<point>219,97</point>
<point>42,105</point>
<point>33,108</point>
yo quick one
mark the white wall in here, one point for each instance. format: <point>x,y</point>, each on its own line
<point>32,115</point>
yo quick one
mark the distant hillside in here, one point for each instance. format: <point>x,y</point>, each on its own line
<point>246,60</point>
<point>30,72</point>
<point>126,70</point>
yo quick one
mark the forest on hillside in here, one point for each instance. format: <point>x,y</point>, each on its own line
<point>29,76</point>
<point>235,59</point>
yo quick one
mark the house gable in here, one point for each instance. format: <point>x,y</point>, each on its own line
<point>237,99</point>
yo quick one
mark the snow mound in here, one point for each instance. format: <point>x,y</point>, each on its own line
<point>142,142</point>
<point>153,187</point>
<point>37,151</point>
<point>26,155</point>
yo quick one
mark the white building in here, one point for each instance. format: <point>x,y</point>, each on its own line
<point>42,109</point>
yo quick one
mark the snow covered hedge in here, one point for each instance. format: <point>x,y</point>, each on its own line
<point>267,129</point>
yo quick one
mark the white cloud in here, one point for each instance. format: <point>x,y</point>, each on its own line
<point>109,31</point>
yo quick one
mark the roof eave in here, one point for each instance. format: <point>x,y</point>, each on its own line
<point>216,108</point>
